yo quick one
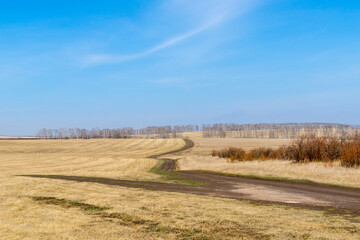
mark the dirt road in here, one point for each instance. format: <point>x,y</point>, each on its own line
<point>310,195</point>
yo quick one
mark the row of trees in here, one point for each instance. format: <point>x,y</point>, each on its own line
<point>82,133</point>
<point>283,130</point>
<point>220,130</point>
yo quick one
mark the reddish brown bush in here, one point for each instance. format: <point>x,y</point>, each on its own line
<point>305,149</point>
<point>239,154</point>
<point>350,154</point>
<point>261,153</point>
<point>333,150</point>
<point>308,149</point>
<point>231,153</point>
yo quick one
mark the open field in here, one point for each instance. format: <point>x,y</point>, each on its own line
<point>199,158</point>
<point>134,213</point>
<point>111,158</point>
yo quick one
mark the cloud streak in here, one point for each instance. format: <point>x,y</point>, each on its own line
<point>212,13</point>
<point>98,59</point>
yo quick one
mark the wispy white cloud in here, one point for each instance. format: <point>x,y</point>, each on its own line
<point>210,21</point>
<point>95,59</point>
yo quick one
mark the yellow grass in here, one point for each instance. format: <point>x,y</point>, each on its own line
<point>200,158</point>
<point>206,145</point>
<point>122,158</point>
<point>171,215</point>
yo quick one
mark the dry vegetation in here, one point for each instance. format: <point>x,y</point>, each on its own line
<point>111,158</point>
<point>325,172</point>
<point>303,150</point>
<point>32,208</point>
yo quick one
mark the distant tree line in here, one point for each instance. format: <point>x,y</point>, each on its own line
<point>219,130</point>
<point>148,132</point>
<point>282,130</point>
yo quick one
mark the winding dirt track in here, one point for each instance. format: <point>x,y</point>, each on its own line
<point>309,195</point>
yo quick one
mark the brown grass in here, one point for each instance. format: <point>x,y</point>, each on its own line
<point>134,213</point>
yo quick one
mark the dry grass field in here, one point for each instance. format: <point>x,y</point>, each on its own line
<point>134,213</point>
<point>199,158</point>
<point>97,158</point>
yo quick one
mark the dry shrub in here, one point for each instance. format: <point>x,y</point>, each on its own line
<point>261,153</point>
<point>231,153</point>
<point>239,154</point>
<point>350,155</point>
<point>304,149</point>
<point>313,149</point>
<point>333,149</point>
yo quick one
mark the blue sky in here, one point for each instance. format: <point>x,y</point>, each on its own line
<point>137,63</point>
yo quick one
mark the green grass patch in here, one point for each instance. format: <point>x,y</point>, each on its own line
<point>206,230</point>
<point>173,176</point>
<point>69,203</point>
